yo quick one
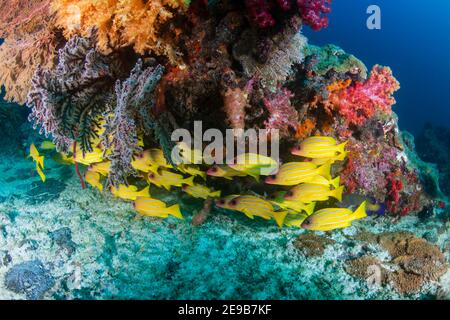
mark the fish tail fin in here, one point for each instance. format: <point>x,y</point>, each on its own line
<point>337,193</point>
<point>309,209</point>
<point>175,211</point>
<point>202,175</point>
<point>342,156</point>
<point>40,173</point>
<point>360,212</point>
<point>189,181</point>
<point>145,192</point>
<point>216,194</point>
<point>279,217</point>
<point>100,186</point>
<point>324,170</point>
<point>335,182</point>
<point>41,161</point>
<point>341,147</point>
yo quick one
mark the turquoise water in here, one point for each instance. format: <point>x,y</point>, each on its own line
<point>58,241</point>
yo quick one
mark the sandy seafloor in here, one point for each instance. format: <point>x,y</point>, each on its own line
<point>93,246</point>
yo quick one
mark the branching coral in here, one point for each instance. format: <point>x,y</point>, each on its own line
<point>313,12</point>
<point>282,115</point>
<point>130,113</point>
<point>67,102</point>
<point>121,23</point>
<point>362,100</point>
<point>282,51</point>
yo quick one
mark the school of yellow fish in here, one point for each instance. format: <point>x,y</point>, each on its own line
<point>305,184</point>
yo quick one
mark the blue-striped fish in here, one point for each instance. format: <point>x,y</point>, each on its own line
<point>296,220</point>
<point>192,170</point>
<point>308,193</point>
<point>129,192</point>
<point>100,167</point>
<point>200,191</point>
<point>169,179</point>
<point>319,147</point>
<point>255,165</point>
<point>321,161</point>
<point>333,218</point>
<point>253,206</point>
<point>294,173</point>
<point>297,206</point>
<point>225,172</point>
<point>155,208</point>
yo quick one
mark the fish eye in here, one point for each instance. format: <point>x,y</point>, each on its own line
<point>233,202</point>
<point>289,193</point>
<point>221,202</point>
<point>151,176</point>
<point>214,169</point>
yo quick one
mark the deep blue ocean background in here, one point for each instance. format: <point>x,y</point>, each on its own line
<point>414,41</point>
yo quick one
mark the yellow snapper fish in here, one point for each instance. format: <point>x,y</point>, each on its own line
<point>308,193</point>
<point>188,155</point>
<point>89,157</point>
<point>325,182</point>
<point>319,148</point>
<point>295,221</point>
<point>101,168</point>
<point>253,206</point>
<point>129,192</point>
<point>192,170</point>
<point>169,179</point>
<point>150,161</point>
<point>200,191</point>
<point>62,158</point>
<point>294,173</point>
<point>255,165</point>
<point>321,161</point>
<point>34,154</point>
<point>297,206</point>
<point>155,208</point>
<point>334,218</point>
<point>225,172</point>
<point>47,145</point>
<point>93,178</point>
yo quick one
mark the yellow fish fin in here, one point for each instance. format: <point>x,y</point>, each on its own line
<point>189,181</point>
<point>337,193</point>
<point>360,212</point>
<point>249,215</point>
<point>279,217</point>
<point>144,192</point>
<point>167,187</point>
<point>309,209</point>
<point>175,211</point>
<point>342,156</point>
<point>99,186</point>
<point>41,161</point>
<point>341,148</point>
<point>215,194</point>
<point>40,173</point>
<point>254,175</point>
<point>335,182</point>
<point>324,170</point>
<point>133,188</point>
<point>228,178</point>
<point>202,175</point>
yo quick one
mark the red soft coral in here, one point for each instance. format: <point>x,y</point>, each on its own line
<point>360,101</point>
<point>313,12</point>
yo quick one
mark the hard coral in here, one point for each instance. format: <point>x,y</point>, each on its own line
<point>362,100</point>
<point>313,12</point>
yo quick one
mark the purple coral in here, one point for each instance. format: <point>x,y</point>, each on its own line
<point>132,111</point>
<point>313,12</point>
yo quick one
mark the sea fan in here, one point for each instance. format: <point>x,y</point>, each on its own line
<point>131,112</point>
<point>66,102</point>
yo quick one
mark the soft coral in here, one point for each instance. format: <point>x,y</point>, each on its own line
<point>313,12</point>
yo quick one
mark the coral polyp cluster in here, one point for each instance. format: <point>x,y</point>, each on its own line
<point>111,80</point>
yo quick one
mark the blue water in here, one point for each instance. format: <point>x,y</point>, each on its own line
<point>414,41</point>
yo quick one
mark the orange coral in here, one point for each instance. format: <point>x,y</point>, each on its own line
<point>339,85</point>
<point>305,128</point>
<point>121,23</point>
<point>30,40</point>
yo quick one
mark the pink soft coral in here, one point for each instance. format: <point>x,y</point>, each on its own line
<point>313,12</point>
<point>282,115</point>
<point>359,102</point>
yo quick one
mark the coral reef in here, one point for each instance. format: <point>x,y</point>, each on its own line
<point>416,261</point>
<point>312,245</point>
